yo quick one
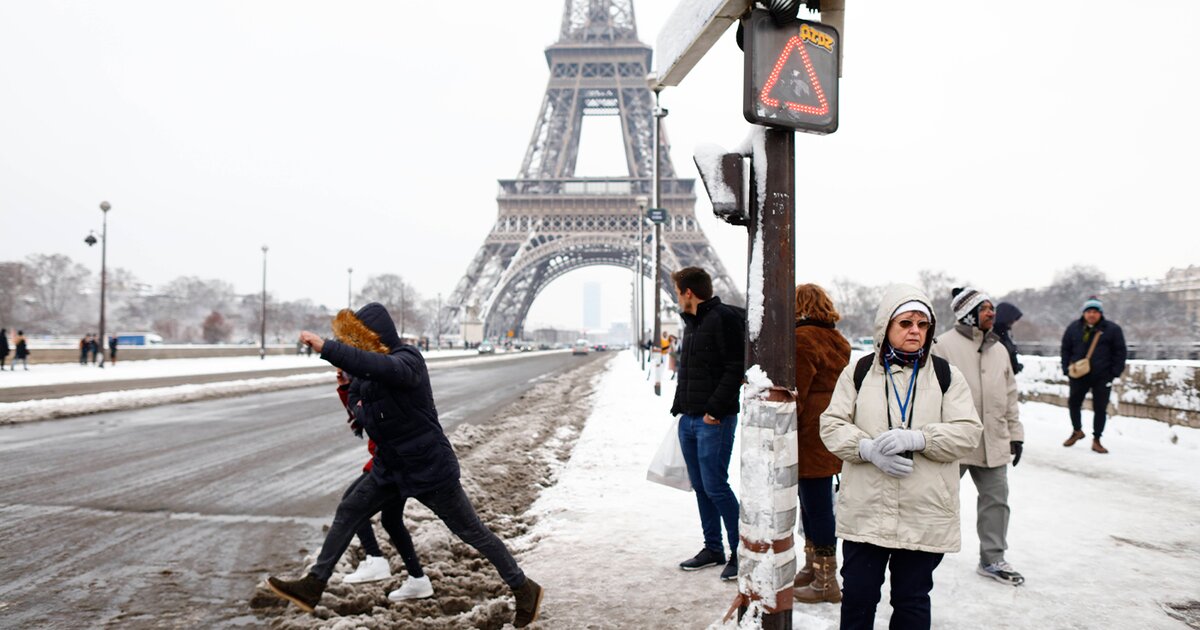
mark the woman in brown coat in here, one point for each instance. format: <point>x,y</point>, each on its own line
<point>821,354</point>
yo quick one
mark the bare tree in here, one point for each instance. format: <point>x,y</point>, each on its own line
<point>215,328</point>
<point>14,292</point>
<point>401,300</point>
<point>57,285</point>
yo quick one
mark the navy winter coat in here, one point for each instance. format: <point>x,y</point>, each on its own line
<point>1108,361</point>
<point>391,399</point>
<point>711,361</point>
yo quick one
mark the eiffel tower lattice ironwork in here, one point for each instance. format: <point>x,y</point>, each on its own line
<point>551,222</point>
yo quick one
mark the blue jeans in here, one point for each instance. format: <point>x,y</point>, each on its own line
<point>816,510</point>
<point>706,449</point>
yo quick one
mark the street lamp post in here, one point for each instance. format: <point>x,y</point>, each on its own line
<point>349,287</point>
<point>262,351</point>
<point>641,284</point>
<point>438,320</point>
<point>103,340</point>
<point>659,113</point>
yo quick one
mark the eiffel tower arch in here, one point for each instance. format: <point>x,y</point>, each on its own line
<point>551,222</point>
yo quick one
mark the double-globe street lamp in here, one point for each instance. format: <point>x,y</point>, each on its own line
<point>102,341</point>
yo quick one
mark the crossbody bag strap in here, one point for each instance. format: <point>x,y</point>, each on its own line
<point>1093,346</point>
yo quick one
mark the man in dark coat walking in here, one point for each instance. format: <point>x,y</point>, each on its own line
<point>391,398</point>
<point>4,350</point>
<point>1107,362</point>
<point>711,367</point>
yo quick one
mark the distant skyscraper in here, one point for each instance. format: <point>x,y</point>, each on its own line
<point>591,305</point>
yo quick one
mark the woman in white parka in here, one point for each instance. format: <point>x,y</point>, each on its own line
<point>900,433</point>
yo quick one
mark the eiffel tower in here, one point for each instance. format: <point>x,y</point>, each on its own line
<point>551,222</point>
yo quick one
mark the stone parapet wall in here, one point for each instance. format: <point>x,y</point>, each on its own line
<point>1168,391</point>
<point>138,353</point>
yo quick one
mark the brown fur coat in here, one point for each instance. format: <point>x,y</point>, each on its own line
<point>821,354</point>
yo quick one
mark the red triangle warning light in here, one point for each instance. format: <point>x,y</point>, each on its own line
<point>795,46</point>
<point>791,74</point>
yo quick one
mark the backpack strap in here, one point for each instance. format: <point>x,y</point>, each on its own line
<point>941,368</point>
<point>860,370</point>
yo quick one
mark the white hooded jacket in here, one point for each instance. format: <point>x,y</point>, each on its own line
<point>920,511</point>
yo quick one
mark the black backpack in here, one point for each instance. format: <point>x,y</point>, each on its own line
<point>941,367</point>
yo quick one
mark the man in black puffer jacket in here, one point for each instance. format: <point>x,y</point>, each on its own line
<point>391,399</point>
<point>711,367</point>
<point>1107,363</point>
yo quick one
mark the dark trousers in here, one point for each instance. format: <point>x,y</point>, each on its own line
<point>1100,390</point>
<point>448,502</point>
<point>393,523</point>
<point>816,510</point>
<point>862,577</point>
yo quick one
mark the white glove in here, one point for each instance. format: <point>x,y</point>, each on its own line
<point>895,441</point>
<point>892,465</point>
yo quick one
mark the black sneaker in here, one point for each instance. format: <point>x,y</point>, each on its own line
<point>706,558</point>
<point>729,573</point>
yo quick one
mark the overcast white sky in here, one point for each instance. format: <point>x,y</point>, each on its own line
<point>1000,143</point>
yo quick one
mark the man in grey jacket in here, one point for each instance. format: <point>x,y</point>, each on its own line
<point>973,347</point>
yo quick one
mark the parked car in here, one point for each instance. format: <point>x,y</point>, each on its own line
<point>486,347</point>
<point>580,347</point>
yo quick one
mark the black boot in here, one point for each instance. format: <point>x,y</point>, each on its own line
<point>305,592</point>
<point>528,601</point>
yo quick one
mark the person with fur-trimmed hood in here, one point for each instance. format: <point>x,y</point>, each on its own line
<point>391,397</point>
<point>899,421</point>
<point>974,348</point>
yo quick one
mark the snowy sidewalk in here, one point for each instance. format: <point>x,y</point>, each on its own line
<point>1104,541</point>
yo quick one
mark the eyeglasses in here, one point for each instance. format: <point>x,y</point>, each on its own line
<point>922,325</point>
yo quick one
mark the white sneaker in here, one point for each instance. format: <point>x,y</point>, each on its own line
<point>413,588</point>
<point>372,569</point>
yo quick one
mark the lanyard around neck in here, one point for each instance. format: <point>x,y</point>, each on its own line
<point>908,397</point>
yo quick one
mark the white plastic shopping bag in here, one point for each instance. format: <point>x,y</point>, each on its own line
<point>668,467</point>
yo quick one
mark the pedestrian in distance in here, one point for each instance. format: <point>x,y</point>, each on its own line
<point>900,420</point>
<point>974,348</point>
<point>375,567</point>
<point>112,349</point>
<point>4,350</point>
<point>821,354</point>
<point>85,346</point>
<point>93,347</point>
<point>390,395</point>
<point>711,367</point>
<point>1093,356</point>
<point>1007,315</point>
<point>22,351</point>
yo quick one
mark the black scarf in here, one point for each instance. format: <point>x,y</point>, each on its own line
<point>891,356</point>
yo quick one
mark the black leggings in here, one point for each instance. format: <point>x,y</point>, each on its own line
<point>392,519</point>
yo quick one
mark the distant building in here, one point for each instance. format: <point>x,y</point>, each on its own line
<point>1183,287</point>
<point>591,305</point>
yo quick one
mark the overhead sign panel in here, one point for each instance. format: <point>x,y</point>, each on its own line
<point>791,74</point>
<point>693,27</point>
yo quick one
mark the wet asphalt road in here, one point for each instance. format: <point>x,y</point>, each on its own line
<point>167,517</point>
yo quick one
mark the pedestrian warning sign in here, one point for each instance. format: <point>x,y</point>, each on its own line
<point>791,74</point>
